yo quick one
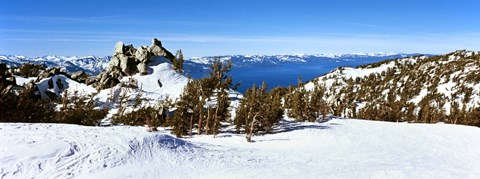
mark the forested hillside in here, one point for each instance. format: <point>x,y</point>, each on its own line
<point>444,88</point>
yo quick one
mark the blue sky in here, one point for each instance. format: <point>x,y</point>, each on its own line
<point>219,27</point>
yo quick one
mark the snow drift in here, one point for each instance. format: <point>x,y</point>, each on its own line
<point>339,148</point>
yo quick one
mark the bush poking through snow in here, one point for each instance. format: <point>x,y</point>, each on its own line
<point>24,107</point>
<point>145,115</point>
<point>80,110</point>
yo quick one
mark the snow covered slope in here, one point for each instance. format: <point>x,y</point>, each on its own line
<point>160,82</point>
<point>409,85</point>
<point>339,148</point>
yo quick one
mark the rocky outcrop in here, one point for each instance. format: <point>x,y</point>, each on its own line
<point>79,76</point>
<point>128,60</point>
<point>49,73</point>
<point>3,69</point>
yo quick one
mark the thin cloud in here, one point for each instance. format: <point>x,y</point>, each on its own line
<point>372,26</point>
<point>57,40</point>
<point>106,20</point>
<point>201,44</point>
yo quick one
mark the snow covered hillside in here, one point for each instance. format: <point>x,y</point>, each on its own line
<point>447,86</point>
<point>161,82</point>
<point>339,148</point>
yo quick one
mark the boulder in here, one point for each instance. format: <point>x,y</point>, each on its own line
<point>109,83</point>
<point>43,75</point>
<point>32,88</point>
<point>11,80</point>
<point>114,62</point>
<point>142,54</point>
<point>128,65</point>
<point>79,76</point>
<point>142,68</point>
<point>119,47</point>
<point>91,80</point>
<point>129,50</point>
<point>156,42</point>
<point>156,48</point>
<point>48,73</point>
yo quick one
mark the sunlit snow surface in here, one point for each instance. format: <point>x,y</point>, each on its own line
<point>339,148</point>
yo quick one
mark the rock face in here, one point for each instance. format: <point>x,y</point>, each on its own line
<point>79,76</point>
<point>128,60</point>
<point>119,48</point>
<point>3,69</point>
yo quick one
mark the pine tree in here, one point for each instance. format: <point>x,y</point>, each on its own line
<point>274,109</point>
<point>178,61</point>
<point>186,107</point>
<point>222,82</point>
<point>315,104</point>
<point>259,111</point>
<point>222,112</point>
<point>299,104</point>
<point>204,103</point>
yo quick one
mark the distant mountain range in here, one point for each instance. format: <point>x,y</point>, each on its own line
<point>90,64</point>
<point>276,70</point>
<point>94,65</point>
<point>246,60</point>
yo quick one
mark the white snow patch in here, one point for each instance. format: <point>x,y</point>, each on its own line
<point>340,148</point>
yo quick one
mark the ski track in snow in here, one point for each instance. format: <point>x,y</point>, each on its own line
<point>339,148</point>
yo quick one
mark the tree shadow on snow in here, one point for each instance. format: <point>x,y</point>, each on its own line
<point>288,126</point>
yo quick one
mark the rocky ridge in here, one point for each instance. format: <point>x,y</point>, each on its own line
<point>128,61</point>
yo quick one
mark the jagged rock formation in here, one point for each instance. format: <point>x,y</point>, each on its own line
<point>8,83</point>
<point>128,61</point>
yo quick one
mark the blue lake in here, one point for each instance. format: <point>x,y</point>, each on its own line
<point>285,73</point>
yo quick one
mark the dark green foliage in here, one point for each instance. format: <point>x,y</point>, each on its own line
<point>140,117</point>
<point>25,108</point>
<point>316,105</point>
<point>178,61</point>
<point>82,111</point>
<point>299,104</point>
<point>259,111</point>
<point>308,105</point>
<point>192,109</point>
<point>388,95</point>
<point>182,120</point>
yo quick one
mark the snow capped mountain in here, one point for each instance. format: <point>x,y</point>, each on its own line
<point>90,64</point>
<point>93,65</point>
<point>283,70</point>
<point>242,60</point>
<point>270,67</point>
